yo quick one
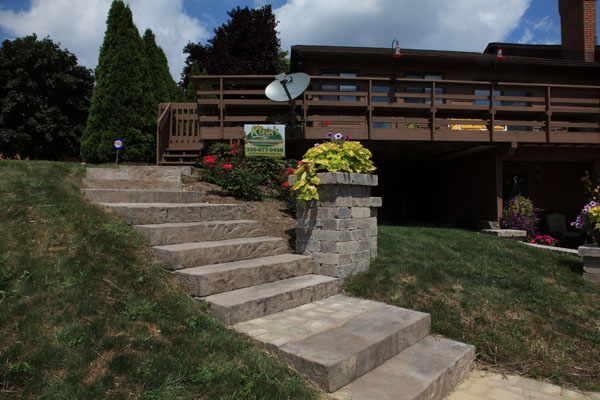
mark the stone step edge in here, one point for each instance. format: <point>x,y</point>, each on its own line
<point>163,234</point>
<point>194,254</point>
<point>336,357</point>
<point>212,279</point>
<point>429,369</point>
<point>325,285</point>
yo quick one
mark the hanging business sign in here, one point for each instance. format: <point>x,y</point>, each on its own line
<point>265,140</point>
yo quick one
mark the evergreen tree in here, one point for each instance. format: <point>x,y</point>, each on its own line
<point>246,44</point>
<point>164,87</point>
<point>44,99</point>
<point>122,104</point>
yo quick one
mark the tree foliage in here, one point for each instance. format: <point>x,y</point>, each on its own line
<point>44,98</point>
<point>123,101</point>
<point>164,87</point>
<point>246,44</point>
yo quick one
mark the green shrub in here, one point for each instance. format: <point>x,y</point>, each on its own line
<point>251,178</point>
<point>337,155</point>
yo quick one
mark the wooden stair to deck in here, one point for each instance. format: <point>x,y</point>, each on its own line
<point>179,157</point>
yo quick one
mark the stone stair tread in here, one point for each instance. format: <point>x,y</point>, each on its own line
<point>216,243</point>
<point>157,213</point>
<point>336,340</point>
<point>429,369</point>
<point>182,232</point>
<point>216,278</point>
<point>89,183</point>
<point>195,254</point>
<point>141,196</point>
<point>268,298</point>
<point>242,264</point>
<point>191,224</point>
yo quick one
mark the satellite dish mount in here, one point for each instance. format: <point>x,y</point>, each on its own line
<point>287,88</point>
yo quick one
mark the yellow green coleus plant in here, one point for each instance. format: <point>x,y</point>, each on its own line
<point>337,155</point>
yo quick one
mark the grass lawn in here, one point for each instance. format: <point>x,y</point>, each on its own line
<point>85,312</point>
<point>528,311</point>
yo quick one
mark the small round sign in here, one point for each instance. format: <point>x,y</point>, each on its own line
<point>118,143</point>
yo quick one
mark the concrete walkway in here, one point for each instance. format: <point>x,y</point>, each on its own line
<point>482,385</point>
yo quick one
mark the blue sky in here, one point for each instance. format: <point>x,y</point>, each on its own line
<point>79,25</point>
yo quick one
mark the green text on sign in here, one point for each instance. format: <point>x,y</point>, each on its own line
<point>265,140</point>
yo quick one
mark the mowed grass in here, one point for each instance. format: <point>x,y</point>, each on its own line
<point>528,311</point>
<point>87,313</point>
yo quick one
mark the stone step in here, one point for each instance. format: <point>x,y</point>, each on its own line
<point>218,278</point>
<point>187,255</point>
<point>336,340</point>
<point>268,298</point>
<point>141,196</point>
<point>144,173</point>
<point>131,184</point>
<point>161,213</point>
<point>429,370</point>
<point>186,232</point>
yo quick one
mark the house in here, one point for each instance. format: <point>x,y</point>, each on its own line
<point>452,133</point>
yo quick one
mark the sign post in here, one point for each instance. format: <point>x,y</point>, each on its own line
<point>118,144</point>
<point>265,140</point>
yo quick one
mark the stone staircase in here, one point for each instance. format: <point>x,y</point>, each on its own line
<point>352,348</point>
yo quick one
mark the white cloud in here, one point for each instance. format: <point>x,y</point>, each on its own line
<point>527,36</point>
<point>79,26</point>
<point>427,24</point>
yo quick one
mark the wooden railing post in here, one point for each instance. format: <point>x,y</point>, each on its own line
<point>548,114</point>
<point>492,117</point>
<point>370,107</point>
<point>221,105</point>
<point>432,123</point>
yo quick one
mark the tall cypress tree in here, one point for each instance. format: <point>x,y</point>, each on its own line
<point>122,105</point>
<point>164,87</point>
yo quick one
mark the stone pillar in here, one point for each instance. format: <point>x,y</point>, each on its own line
<point>340,230</point>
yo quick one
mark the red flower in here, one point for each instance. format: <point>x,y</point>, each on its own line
<point>327,122</point>
<point>290,171</point>
<point>209,159</point>
<point>233,146</point>
<point>233,151</point>
<point>227,166</point>
<point>286,184</point>
<point>300,162</point>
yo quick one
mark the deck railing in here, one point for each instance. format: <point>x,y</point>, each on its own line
<point>395,109</point>
<point>163,129</point>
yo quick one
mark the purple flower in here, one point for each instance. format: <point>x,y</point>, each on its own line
<point>330,135</point>
<point>338,136</point>
<point>316,144</point>
<point>348,138</point>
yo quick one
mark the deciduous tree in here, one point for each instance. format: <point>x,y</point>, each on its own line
<point>246,44</point>
<point>44,99</point>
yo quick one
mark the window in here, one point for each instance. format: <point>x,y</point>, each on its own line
<point>511,103</point>
<point>380,89</point>
<point>423,89</point>
<point>339,88</point>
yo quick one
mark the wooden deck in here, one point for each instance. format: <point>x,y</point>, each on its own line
<point>386,109</point>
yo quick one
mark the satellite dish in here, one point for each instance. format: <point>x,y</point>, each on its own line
<point>287,87</point>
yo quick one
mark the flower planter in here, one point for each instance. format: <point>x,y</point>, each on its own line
<point>591,262</point>
<point>340,229</point>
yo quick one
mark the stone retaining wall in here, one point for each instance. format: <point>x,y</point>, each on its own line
<point>340,230</point>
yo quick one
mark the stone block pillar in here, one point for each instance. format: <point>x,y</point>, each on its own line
<point>340,229</point>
